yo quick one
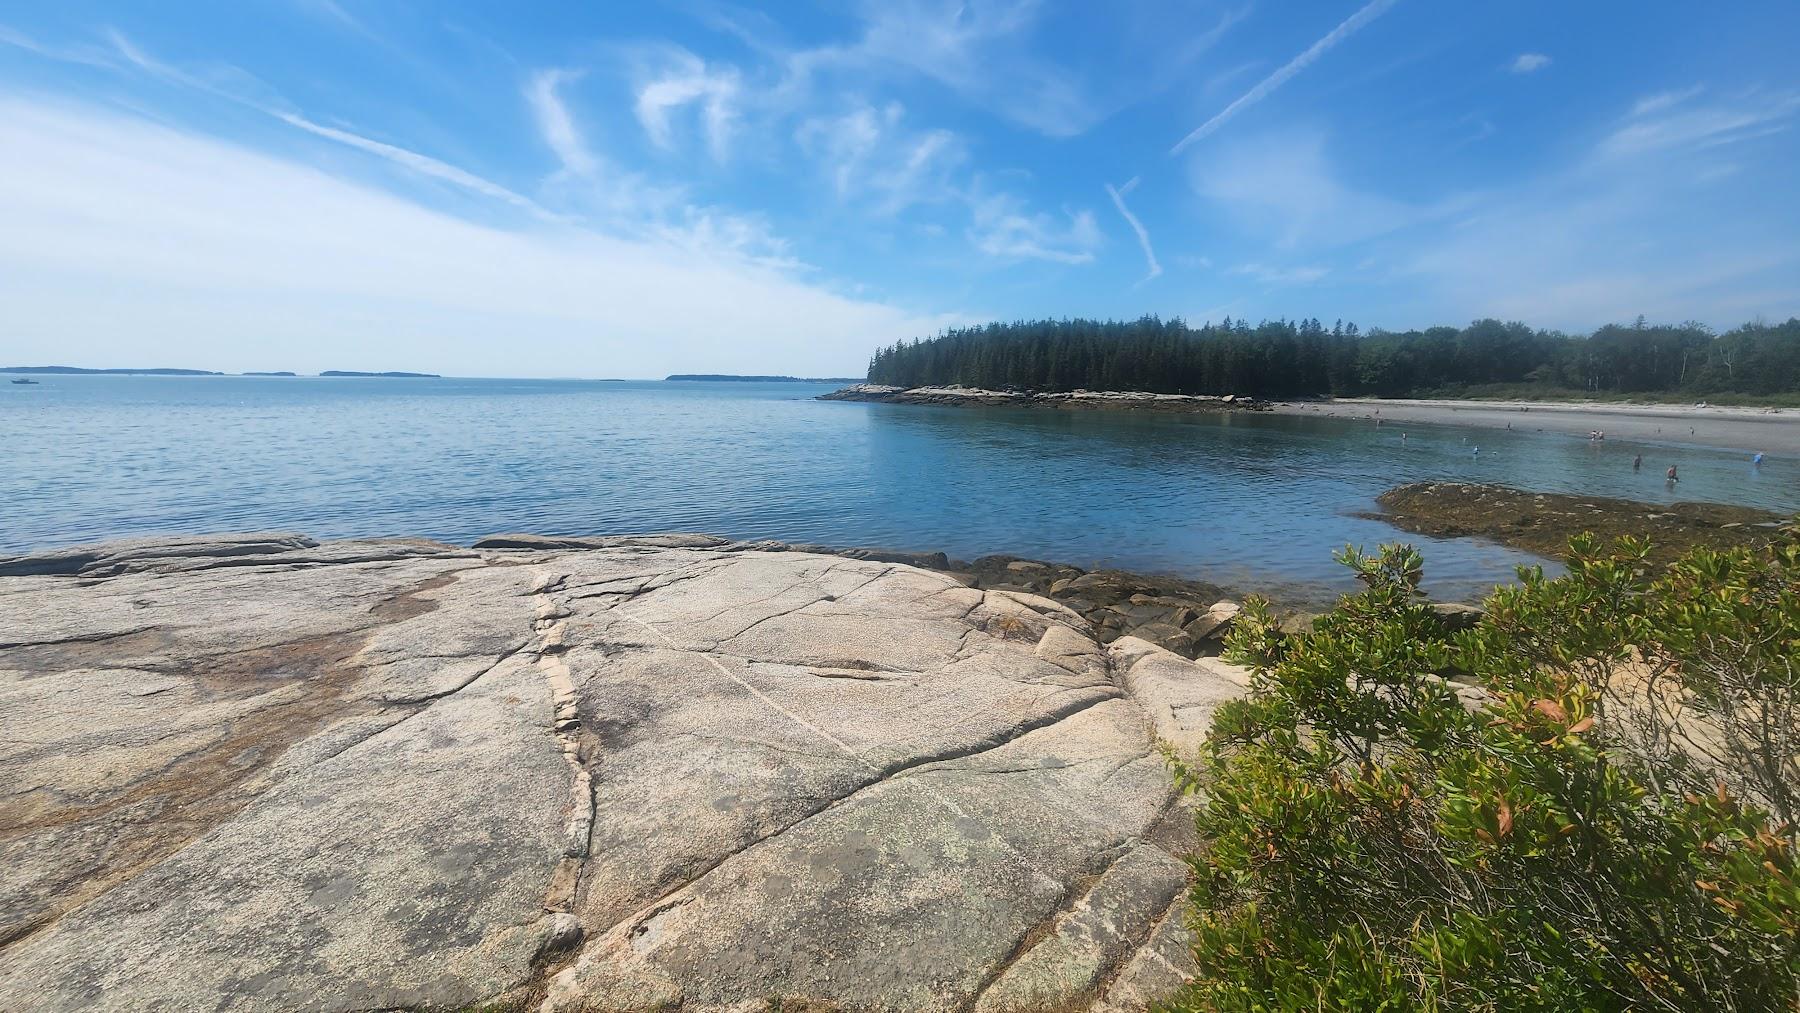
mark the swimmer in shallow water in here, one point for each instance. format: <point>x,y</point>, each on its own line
<point>1637,463</point>
<point>1671,476</point>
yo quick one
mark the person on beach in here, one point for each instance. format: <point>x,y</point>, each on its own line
<point>1637,463</point>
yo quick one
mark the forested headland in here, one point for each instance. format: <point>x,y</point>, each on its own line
<point>1305,358</point>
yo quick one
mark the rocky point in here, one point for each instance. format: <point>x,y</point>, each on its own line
<point>263,773</point>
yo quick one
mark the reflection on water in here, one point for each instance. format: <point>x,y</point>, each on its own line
<point>1245,500</point>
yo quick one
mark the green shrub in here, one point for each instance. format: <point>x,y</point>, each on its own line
<point>1585,802</point>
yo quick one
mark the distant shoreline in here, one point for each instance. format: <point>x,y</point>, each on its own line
<point>127,371</point>
<point>340,373</point>
<point>170,371</point>
<point>743,378</point>
<point>972,397</point>
<point>1773,431</point>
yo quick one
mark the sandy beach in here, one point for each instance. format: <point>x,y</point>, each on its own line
<point>1772,431</point>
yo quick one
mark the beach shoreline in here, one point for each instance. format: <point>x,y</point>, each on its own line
<point>1774,432</point>
<point>1771,431</point>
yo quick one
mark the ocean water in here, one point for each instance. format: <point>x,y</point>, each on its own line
<point>1245,500</point>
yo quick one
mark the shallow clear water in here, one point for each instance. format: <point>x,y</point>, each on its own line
<point>1239,499</point>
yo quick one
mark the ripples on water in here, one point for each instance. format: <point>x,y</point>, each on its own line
<point>1246,500</point>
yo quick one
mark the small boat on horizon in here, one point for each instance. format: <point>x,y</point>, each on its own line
<point>24,380</point>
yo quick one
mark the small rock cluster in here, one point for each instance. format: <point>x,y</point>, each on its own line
<point>1188,617</point>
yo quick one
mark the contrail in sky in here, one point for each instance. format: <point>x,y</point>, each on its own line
<point>1370,11</point>
<point>1143,237</point>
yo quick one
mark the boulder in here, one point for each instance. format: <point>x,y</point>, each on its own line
<point>1215,623</point>
<point>1296,623</point>
<point>1456,616</point>
<point>1179,695</point>
<point>1166,635</point>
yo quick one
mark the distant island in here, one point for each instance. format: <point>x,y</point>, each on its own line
<point>353,372</point>
<point>1283,359</point>
<point>715,377</point>
<point>282,372</point>
<point>160,371</point>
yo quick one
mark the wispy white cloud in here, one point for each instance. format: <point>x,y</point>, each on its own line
<point>973,49</point>
<point>877,161</point>
<point>869,150</point>
<point>112,218</point>
<point>1270,275</point>
<point>1664,99</point>
<point>334,12</point>
<point>239,88</point>
<point>87,55</point>
<point>424,165</point>
<point>1281,188</point>
<point>1673,121</point>
<point>715,233</point>
<point>843,144</point>
<point>989,54</point>
<point>555,123</point>
<point>1572,252</point>
<point>1350,26</point>
<point>156,68</point>
<point>589,192</point>
<point>1608,234</point>
<point>1529,63</point>
<point>682,79</point>
<point>1003,228</point>
<point>1480,129</point>
<point>1137,227</point>
<point>1603,237</point>
<point>1615,234</point>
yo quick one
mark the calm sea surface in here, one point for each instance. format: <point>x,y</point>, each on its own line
<point>1243,500</point>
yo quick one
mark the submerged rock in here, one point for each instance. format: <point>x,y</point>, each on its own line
<point>609,774</point>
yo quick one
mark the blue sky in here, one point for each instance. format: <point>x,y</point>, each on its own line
<point>611,189</point>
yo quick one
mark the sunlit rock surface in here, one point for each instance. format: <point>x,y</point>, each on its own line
<point>259,772</point>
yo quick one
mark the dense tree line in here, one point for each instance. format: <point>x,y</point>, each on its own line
<point>1285,358</point>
